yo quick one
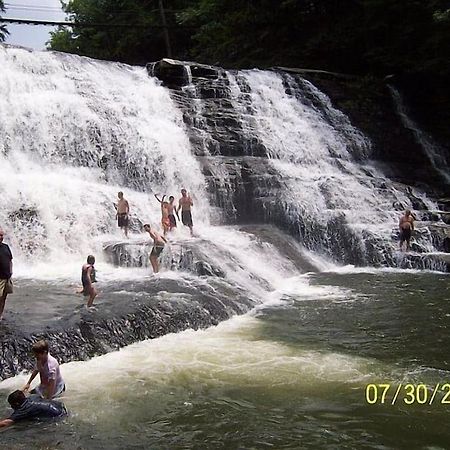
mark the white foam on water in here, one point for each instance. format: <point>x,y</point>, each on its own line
<point>231,353</point>
<point>73,132</point>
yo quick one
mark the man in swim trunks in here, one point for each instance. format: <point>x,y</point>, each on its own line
<point>5,272</point>
<point>52,384</point>
<point>123,211</point>
<point>165,221</point>
<point>31,408</point>
<point>158,246</point>
<point>185,204</point>
<point>406,225</point>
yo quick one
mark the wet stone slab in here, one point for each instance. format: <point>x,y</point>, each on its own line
<point>126,312</point>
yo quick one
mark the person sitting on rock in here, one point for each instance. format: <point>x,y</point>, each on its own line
<point>31,408</point>
<point>406,225</point>
<point>52,384</point>
<point>158,246</point>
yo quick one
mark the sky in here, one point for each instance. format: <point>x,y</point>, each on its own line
<point>32,36</point>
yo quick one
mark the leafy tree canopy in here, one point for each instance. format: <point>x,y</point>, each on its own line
<point>355,36</point>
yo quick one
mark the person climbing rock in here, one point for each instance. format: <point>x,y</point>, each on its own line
<point>185,204</point>
<point>5,272</point>
<point>406,225</point>
<point>158,246</point>
<point>31,408</point>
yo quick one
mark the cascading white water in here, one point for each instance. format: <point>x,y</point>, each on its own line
<point>73,132</point>
<point>318,154</point>
<point>431,148</point>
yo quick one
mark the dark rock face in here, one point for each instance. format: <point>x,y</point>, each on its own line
<point>245,186</point>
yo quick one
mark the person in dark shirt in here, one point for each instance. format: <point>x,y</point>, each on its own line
<point>5,272</point>
<point>31,408</point>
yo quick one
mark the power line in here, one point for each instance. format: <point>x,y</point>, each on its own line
<point>55,8</point>
<point>87,25</point>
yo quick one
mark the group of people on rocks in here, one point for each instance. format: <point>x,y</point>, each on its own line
<point>38,402</point>
<point>168,223</point>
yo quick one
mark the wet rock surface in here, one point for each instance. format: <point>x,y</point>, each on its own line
<point>245,187</point>
<point>125,312</point>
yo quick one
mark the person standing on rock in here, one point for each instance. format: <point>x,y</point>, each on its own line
<point>172,211</point>
<point>123,211</point>
<point>87,279</point>
<point>406,225</point>
<point>165,221</point>
<point>158,246</point>
<point>185,204</point>
<point>5,272</point>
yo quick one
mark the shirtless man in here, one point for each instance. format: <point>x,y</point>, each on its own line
<point>123,210</point>
<point>172,209</point>
<point>158,246</point>
<point>185,205</point>
<point>165,221</point>
<point>406,225</point>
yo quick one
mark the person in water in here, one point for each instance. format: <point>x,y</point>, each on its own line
<point>31,408</point>
<point>88,280</point>
<point>185,204</point>
<point>406,226</point>
<point>123,211</point>
<point>158,246</point>
<point>5,272</point>
<point>52,384</point>
<point>165,221</point>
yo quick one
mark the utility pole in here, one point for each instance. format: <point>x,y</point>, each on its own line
<point>166,29</point>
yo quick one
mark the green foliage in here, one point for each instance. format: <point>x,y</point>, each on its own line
<point>3,30</point>
<point>121,30</point>
<point>355,36</point>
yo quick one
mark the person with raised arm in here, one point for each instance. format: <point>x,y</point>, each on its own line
<point>165,221</point>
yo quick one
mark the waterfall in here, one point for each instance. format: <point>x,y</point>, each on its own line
<point>252,146</point>
<point>74,132</point>
<point>431,148</point>
<point>275,149</point>
<point>282,184</point>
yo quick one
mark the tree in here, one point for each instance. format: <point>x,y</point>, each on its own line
<point>122,30</point>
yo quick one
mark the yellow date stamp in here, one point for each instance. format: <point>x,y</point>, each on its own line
<point>408,394</point>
